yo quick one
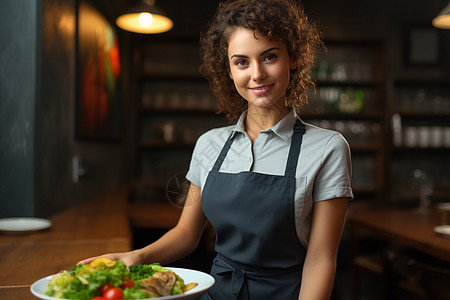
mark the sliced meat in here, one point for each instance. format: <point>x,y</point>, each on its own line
<point>160,284</point>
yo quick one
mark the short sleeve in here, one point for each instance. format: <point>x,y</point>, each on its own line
<point>194,172</point>
<point>206,151</point>
<point>334,177</point>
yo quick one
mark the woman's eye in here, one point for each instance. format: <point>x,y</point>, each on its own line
<point>270,57</point>
<point>240,62</point>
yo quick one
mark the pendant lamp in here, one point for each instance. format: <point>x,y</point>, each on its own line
<point>443,19</point>
<point>145,18</point>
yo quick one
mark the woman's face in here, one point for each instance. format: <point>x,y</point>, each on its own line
<point>259,67</point>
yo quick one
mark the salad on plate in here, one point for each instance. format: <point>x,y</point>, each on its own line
<point>105,279</point>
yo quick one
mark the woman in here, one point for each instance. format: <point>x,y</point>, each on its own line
<point>274,188</point>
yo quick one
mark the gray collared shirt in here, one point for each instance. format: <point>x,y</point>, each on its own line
<point>323,170</point>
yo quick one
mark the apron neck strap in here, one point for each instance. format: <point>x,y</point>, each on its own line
<point>294,151</point>
<point>223,153</point>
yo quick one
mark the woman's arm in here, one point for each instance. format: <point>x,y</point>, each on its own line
<point>183,238</point>
<point>176,243</point>
<point>320,263</point>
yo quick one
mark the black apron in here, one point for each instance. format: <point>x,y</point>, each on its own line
<point>259,255</point>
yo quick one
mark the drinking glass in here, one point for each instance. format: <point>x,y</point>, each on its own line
<point>426,189</point>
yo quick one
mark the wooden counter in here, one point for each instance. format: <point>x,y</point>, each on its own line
<point>88,229</point>
<point>407,227</point>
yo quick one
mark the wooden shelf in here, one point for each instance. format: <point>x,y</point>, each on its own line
<point>421,115</point>
<point>341,116</point>
<point>348,83</point>
<point>420,149</point>
<point>178,111</point>
<point>164,145</point>
<point>416,113</point>
<point>369,147</point>
<point>421,82</point>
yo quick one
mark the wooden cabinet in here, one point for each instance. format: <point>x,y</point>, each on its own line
<point>420,141</point>
<point>174,107</point>
<point>350,97</point>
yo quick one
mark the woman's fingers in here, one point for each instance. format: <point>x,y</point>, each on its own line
<point>88,260</point>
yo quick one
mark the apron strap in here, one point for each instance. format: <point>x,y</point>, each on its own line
<point>240,273</point>
<point>294,150</point>
<point>223,153</point>
<point>238,277</point>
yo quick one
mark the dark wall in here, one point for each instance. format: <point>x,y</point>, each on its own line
<point>37,114</point>
<point>17,103</point>
<point>56,145</point>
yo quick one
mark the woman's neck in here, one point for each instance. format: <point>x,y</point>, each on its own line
<point>258,119</point>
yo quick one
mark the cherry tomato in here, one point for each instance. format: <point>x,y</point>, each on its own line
<point>113,294</point>
<point>105,287</point>
<point>127,283</point>
<point>98,298</point>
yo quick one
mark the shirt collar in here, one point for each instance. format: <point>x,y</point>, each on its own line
<point>239,126</point>
<point>283,128</point>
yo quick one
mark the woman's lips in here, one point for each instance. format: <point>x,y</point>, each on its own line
<point>261,90</point>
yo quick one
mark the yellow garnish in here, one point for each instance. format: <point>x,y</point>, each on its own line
<point>102,263</point>
<point>189,286</point>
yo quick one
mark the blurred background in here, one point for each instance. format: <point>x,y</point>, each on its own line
<point>70,132</point>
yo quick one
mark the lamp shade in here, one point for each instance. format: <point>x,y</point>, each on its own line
<point>443,19</point>
<point>145,18</point>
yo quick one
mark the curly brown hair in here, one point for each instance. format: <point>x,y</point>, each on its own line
<point>283,20</point>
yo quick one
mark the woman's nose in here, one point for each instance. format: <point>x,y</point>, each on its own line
<point>258,72</point>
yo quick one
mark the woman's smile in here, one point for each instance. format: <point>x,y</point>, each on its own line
<point>261,90</point>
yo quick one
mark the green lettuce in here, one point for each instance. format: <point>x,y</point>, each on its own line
<point>139,272</point>
<point>83,282</point>
<point>135,293</point>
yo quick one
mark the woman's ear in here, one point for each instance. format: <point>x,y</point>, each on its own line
<point>293,64</point>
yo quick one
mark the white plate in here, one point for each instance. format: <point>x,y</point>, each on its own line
<point>23,225</point>
<point>443,229</point>
<point>205,282</point>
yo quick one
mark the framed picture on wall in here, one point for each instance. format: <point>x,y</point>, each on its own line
<point>423,46</point>
<point>98,97</point>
